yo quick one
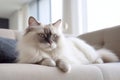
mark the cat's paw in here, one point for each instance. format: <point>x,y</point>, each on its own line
<point>63,66</point>
<point>98,61</point>
<point>48,62</point>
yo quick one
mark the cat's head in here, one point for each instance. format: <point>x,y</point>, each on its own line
<point>46,36</point>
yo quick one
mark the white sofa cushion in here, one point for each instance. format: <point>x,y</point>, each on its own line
<point>38,72</point>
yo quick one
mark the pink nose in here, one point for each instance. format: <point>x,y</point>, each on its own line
<point>50,42</point>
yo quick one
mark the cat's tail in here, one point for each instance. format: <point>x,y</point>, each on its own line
<point>107,55</point>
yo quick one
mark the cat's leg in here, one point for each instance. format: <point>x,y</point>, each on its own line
<point>62,65</point>
<point>48,62</point>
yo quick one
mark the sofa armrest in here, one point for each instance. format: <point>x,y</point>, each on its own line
<point>107,38</point>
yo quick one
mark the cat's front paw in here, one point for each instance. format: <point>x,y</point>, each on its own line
<point>48,62</point>
<point>98,61</point>
<point>63,66</point>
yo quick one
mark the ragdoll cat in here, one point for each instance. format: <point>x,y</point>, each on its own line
<point>46,45</point>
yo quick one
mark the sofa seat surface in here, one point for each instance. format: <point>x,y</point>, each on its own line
<point>109,71</point>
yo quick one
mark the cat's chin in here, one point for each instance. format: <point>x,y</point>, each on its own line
<point>50,48</point>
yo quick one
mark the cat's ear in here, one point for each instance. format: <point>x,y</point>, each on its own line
<point>32,21</point>
<point>57,23</point>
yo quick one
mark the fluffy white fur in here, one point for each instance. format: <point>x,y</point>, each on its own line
<point>107,55</point>
<point>70,50</point>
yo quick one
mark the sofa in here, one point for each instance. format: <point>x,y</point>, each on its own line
<point>107,38</point>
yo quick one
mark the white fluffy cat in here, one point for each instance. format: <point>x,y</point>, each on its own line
<point>46,45</point>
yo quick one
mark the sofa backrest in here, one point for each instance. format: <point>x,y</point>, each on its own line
<point>107,38</point>
<point>7,33</point>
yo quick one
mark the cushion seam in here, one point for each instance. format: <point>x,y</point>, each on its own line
<point>102,74</point>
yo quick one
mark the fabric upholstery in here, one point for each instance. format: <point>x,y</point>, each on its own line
<point>110,71</point>
<point>106,38</point>
<point>37,72</point>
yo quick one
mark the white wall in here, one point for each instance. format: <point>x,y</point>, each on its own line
<point>18,20</point>
<point>103,14</point>
<point>13,21</point>
<point>25,16</point>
